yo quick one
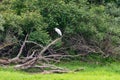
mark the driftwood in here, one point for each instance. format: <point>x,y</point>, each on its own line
<point>16,59</point>
<point>21,49</point>
<point>26,65</point>
<point>61,71</point>
<point>4,61</point>
<point>32,62</point>
<point>54,71</point>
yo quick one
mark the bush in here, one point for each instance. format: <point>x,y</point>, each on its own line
<point>38,18</point>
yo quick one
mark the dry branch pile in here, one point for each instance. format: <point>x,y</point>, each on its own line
<point>37,58</point>
<point>32,59</point>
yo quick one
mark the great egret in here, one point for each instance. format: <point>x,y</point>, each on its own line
<point>58,31</point>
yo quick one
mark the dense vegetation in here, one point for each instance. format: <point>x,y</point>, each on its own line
<point>88,26</point>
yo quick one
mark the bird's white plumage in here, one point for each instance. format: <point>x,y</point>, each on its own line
<point>58,31</point>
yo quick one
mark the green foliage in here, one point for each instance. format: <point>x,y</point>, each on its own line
<point>38,18</point>
<point>27,16</point>
<point>2,21</point>
<point>73,19</point>
<point>22,20</point>
<point>40,36</point>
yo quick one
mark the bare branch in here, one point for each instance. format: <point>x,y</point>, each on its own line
<point>21,49</point>
<point>6,44</point>
<point>34,43</point>
<point>45,48</point>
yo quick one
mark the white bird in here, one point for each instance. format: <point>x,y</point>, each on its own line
<point>58,31</point>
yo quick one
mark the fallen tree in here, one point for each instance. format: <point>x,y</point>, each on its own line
<point>33,59</point>
<point>37,57</point>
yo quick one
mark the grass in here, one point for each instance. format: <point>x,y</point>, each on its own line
<point>109,71</point>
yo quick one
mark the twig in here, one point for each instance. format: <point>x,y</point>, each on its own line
<point>34,43</point>
<point>6,44</point>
